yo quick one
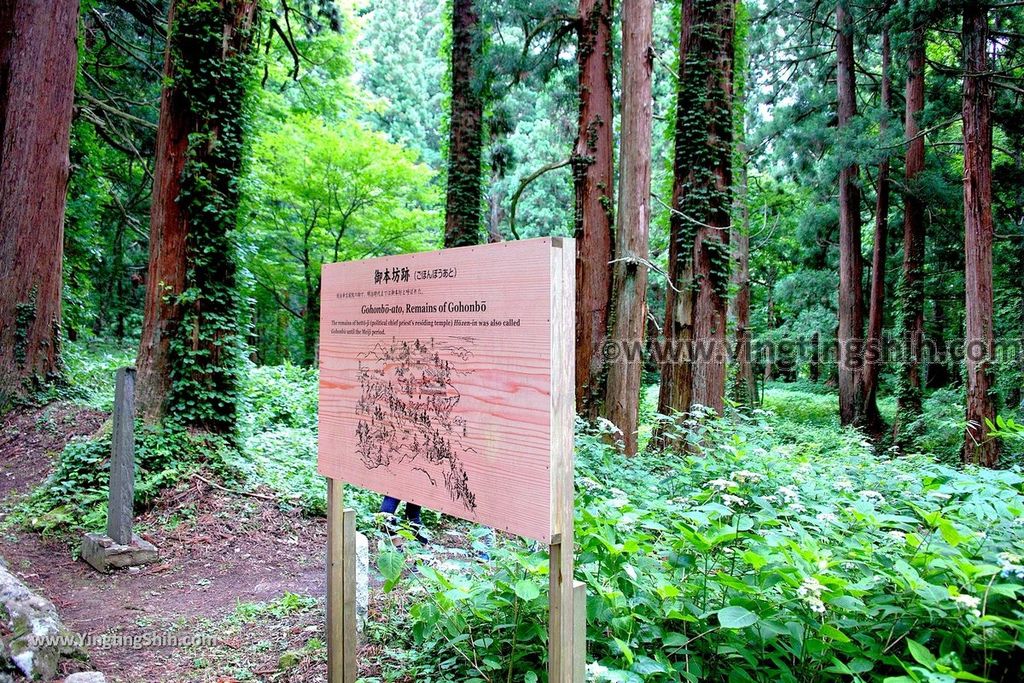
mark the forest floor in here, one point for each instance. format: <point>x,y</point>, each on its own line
<point>226,560</point>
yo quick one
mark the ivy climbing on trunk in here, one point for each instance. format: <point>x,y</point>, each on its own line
<point>190,356</point>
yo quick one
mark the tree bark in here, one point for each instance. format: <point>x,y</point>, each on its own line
<point>851,268</point>
<point>911,290</point>
<point>38,53</point>
<point>711,39</point>
<point>631,243</point>
<point>465,143</point>
<point>874,343</point>
<point>980,342</point>
<point>744,388</point>
<point>190,250</point>
<point>592,165</point>
<point>693,372</point>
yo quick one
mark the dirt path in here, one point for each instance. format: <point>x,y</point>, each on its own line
<point>217,550</point>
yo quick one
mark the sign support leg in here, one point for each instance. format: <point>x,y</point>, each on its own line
<point>341,587</point>
<point>567,618</point>
<point>579,632</point>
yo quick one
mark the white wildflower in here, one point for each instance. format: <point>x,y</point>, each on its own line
<point>746,475</point>
<point>897,535</point>
<point>722,484</point>
<point>810,592</point>
<point>789,494</point>
<point>968,602</point>
<point>827,517</point>
<point>843,485</point>
<point>872,495</point>
<point>730,499</point>
<point>822,565</point>
<point>797,507</point>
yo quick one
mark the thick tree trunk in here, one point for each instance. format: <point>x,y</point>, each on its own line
<point>980,342</point>
<point>38,53</point>
<point>711,41</point>
<point>592,165</point>
<point>695,312</point>
<point>185,361</point>
<point>911,289</point>
<point>465,143</point>
<point>873,346</point>
<point>630,271</point>
<point>851,268</point>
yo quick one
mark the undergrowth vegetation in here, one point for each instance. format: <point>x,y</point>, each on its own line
<point>781,547</point>
<point>750,559</point>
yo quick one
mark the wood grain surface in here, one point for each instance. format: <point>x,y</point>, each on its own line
<point>437,384</point>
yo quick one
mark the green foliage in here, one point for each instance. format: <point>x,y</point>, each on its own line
<point>401,41</point>
<point>754,559</point>
<point>320,192</point>
<point>74,496</point>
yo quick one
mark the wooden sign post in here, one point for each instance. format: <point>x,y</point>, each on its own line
<point>446,380</point>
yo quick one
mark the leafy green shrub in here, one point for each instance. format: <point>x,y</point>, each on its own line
<point>74,496</point>
<point>752,560</point>
<point>278,396</point>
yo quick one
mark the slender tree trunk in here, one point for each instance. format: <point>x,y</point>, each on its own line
<point>695,312</point>
<point>873,347</point>
<point>190,344</point>
<point>980,342</point>
<point>851,268</point>
<point>911,289</point>
<point>814,368</point>
<point>744,389</point>
<point>465,143</point>
<point>592,165</point>
<point>38,53</point>
<point>631,247</point>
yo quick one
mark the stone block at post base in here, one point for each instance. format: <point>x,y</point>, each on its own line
<point>105,554</point>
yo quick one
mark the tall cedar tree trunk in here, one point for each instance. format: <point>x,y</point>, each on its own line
<point>851,267</point>
<point>186,356</point>
<point>693,371</point>
<point>873,346</point>
<point>629,310</point>
<point>465,143</point>
<point>911,288</point>
<point>38,53</point>
<point>744,389</point>
<point>980,347</point>
<point>592,165</point>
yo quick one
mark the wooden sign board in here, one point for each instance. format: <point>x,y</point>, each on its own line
<point>446,380</point>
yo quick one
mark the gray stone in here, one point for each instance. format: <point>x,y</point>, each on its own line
<point>362,580</point>
<point>86,677</point>
<point>105,554</point>
<point>39,638</point>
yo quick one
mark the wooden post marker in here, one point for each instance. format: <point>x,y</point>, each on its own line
<point>121,503</point>
<point>119,547</point>
<point>446,380</point>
